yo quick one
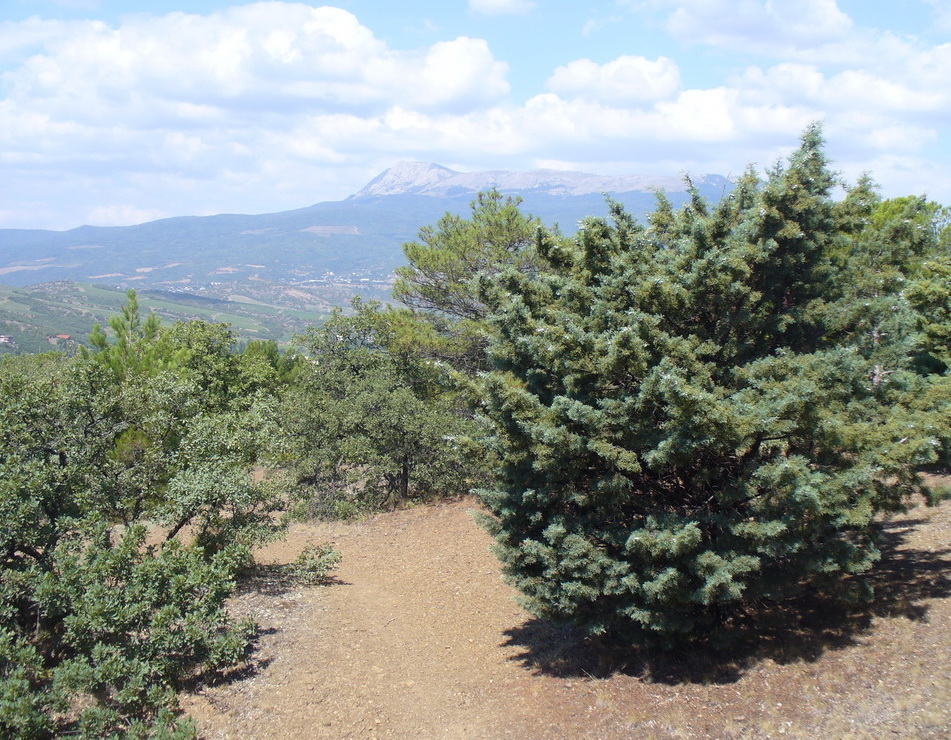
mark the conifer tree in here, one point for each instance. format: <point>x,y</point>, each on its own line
<point>133,349</point>
<point>450,254</point>
<point>680,434</point>
<point>448,319</point>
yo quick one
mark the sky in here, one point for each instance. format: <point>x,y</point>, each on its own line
<point>195,107</point>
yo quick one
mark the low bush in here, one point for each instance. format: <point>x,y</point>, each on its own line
<point>315,563</point>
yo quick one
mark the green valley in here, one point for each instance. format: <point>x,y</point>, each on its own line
<point>41,317</point>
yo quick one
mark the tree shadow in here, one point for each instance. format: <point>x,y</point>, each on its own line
<point>270,580</point>
<point>250,666</point>
<point>277,579</point>
<point>800,630</point>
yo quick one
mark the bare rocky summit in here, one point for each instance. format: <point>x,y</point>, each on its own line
<point>427,178</point>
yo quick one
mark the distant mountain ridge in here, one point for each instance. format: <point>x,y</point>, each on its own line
<point>334,243</point>
<point>428,178</point>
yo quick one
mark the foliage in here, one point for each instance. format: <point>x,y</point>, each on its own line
<point>191,419</point>
<point>265,360</point>
<point>134,345</point>
<point>894,307</point>
<point>369,423</point>
<point>381,412</point>
<point>108,460</point>
<point>439,280</point>
<point>687,416</point>
<point>314,564</point>
<point>883,249</point>
<point>450,254</point>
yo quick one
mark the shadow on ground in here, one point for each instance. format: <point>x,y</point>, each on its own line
<point>252,665</point>
<point>270,581</point>
<point>799,630</point>
<point>277,579</point>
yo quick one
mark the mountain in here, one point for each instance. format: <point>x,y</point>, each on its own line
<point>426,178</point>
<point>355,239</point>
<point>329,246</point>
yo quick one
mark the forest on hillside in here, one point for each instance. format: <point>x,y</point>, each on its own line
<point>671,424</point>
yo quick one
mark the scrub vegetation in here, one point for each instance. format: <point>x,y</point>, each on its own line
<point>674,427</point>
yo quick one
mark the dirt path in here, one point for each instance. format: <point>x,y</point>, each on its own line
<point>420,639</point>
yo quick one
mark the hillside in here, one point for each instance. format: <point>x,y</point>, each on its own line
<point>271,275</point>
<point>418,637</point>
<point>31,316</point>
<point>356,239</point>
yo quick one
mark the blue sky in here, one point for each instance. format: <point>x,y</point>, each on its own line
<point>191,108</point>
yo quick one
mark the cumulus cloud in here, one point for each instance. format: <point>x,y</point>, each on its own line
<point>627,79</point>
<point>849,90</point>
<point>262,56</point>
<point>457,74</point>
<point>197,98</point>
<point>501,7</point>
<point>692,120</point>
<point>868,110</point>
<point>273,105</point>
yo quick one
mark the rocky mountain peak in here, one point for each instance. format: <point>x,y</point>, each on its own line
<point>427,178</point>
<point>406,178</point>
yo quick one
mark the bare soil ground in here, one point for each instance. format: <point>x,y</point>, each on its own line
<point>419,638</point>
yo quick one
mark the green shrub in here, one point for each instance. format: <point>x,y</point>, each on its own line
<point>314,564</point>
<point>103,620</point>
<point>686,425</point>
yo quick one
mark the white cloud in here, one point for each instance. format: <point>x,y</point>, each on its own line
<point>850,90</point>
<point>927,67</point>
<point>694,119</point>
<point>867,111</point>
<point>277,56</point>
<point>456,71</point>
<point>24,37</point>
<point>192,111</point>
<point>809,19</point>
<point>755,25</point>
<point>627,79</point>
<point>270,106</point>
<point>898,138</point>
<point>501,7</point>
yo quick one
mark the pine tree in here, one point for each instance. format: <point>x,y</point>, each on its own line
<point>438,284</point>
<point>447,256</point>
<point>680,436</point>
<point>133,349</point>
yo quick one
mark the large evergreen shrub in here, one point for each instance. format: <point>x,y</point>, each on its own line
<point>682,432</point>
